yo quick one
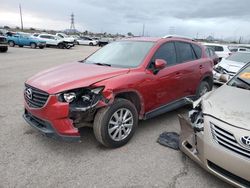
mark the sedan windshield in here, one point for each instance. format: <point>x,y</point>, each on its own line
<point>242,79</point>
<point>121,54</point>
<point>240,57</point>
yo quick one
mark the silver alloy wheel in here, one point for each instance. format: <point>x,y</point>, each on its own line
<point>120,124</point>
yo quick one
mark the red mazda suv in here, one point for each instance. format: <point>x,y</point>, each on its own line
<point>121,83</point>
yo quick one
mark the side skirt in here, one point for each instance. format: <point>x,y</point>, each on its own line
<point>168,107</point>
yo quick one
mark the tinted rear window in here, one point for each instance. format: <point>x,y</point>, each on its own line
<point>197,51</point>
<point>185,52</point>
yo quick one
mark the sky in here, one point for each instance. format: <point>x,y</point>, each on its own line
<point>219,18</point>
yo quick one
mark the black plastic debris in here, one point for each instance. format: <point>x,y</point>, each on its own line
<point>169,139</point>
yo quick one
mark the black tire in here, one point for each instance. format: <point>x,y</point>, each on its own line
<point>33,45</point>
<point>60,45</point>
<point>41,47</point>
<point>20,46</point>
<point>103,117</point>
<point>11,43</point>
<point>4,49</point>
<point>202,89</point>
<point>91,44</point>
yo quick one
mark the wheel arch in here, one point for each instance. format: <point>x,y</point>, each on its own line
<point>135,98</point>
<point>209,80</point>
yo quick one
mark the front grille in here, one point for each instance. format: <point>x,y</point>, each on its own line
<point>34,97</point>
<point>229,175</point>
<point>228,140</point>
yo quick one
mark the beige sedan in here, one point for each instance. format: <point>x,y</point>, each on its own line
<point>217,134</point>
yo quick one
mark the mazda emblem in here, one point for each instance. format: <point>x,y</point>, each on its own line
<point>246,140</point>
<point>28,93</point>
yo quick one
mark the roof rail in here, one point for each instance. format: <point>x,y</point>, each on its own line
<point>178,36</point>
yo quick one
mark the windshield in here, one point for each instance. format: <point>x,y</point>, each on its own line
<point>242,79</point>
<point>121,54</point>
<point>239,57</point>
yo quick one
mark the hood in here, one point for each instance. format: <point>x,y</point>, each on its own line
<point>71,76</point>
<point>231,66</point>
<point>229,104</point>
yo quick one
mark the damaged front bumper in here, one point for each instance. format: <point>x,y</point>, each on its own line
<point>199,142</point>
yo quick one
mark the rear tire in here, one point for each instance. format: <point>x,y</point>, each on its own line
<point>4,49</point>
<point>202,89</point>
<point>115,125</point>
<point>91,44</point>
<point>33,45</point>
<point>41,47</point>
<point>11,43</point>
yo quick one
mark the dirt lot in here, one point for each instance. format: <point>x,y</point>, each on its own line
<point>28,159</point>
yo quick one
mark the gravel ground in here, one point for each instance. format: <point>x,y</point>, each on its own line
<point>29,159</point>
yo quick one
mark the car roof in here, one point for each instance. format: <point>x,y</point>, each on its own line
<point>156,39</point>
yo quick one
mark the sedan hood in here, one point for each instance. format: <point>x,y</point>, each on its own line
<point>71,76</point>
<point>229,104</point>
<point>231,66</point>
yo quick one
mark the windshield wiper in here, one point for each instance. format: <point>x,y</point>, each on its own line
<point>103,64</point>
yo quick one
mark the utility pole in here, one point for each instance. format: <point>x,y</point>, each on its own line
<point>143,29</point>
<point>21,16</point>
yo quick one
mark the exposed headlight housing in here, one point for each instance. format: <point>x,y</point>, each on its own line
<point>69,97</point>
<point>81,99</point>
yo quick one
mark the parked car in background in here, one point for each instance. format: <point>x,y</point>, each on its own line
<point>3,44</point>
<point>221,50</point>
<point>25,39</point>
<point>211,53</point>
<point>217,134</point>
<point>137,78</point>
<point>66,38</point>
<point>229,66</point>
<point>52,40</point>
<point>86,41</point>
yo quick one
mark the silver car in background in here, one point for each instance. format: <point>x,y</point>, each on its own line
<point>229,66</point>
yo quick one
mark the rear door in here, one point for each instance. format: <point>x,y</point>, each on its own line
<point>189,68</point>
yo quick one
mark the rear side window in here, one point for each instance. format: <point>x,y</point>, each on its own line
<point>197,50</point>
<point>166,52</point>
<point>185,52</point>
<point>218,49</point>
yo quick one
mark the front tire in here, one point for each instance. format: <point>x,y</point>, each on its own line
<point>115,125</point>
<point>61,45</point>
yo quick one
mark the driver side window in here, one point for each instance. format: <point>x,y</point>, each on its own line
<point>167,52</point>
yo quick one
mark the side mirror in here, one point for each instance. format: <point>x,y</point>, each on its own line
<point>160,64</point>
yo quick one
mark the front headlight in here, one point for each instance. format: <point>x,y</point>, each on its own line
<point>69,97</point>
<point>81,96</point>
